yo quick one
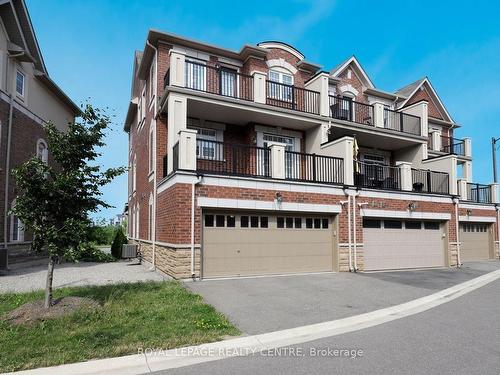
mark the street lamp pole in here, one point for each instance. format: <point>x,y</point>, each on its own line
<point>494,152</point>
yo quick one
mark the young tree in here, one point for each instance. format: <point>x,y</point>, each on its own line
<point>55,199</point>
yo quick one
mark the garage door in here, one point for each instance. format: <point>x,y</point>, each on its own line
<point>397,244</point>
<point>475,241</point>
<point>258,244</point>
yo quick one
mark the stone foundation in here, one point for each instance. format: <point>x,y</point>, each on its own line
<point>175,262</point>
<point>343,258</point>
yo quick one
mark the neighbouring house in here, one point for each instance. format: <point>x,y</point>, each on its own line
<point>257,162</point>
<point>28,98</point>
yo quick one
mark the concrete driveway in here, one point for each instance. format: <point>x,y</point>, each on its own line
<point>259,305</point>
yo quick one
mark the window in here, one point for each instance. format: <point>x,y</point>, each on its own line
<point>280,85</point>
<point>254,221</point>
<point>16,227</point>
<point>231,221</point>
<point>228,82</point>
<point>413,225</point>
<point>134,174</point>
<point>42,151</point>
<point>317,223</point>
<point>195,75</point>
<point>289,222</point>
<point>20,82</point>
<point>298,222</point>
<point>151,148</point>
<point>244,222</point>
<point>219,221</point>
<point>324,223</point>
<point>280,222</point>
<point>152,80</point>
<point>309,223</point>
<point>209,220</point>
<point>289,143</point>
<point>264,222</point>
<point>393,224</point>
<point>142,107</point>
<point>206,144</point>
<point>433,225</point>
<point>370,223</point>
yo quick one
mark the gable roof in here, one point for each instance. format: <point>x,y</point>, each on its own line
<point>410,90</point>
<point>352,60</point>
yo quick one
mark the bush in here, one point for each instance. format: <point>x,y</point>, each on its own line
<point>90,253</point>
<point>101,234</point>
<point>118,242</point>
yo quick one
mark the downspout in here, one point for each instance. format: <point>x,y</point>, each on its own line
<point>498,230</point>
<point>457,227</point>
<point>6,189</point>
<point>153,235</point>
<point>193,188</point>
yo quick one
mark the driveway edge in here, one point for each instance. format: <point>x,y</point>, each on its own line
<point>174,358</point>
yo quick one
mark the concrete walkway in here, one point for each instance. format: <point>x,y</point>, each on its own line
<point>31,276</point>
<point>258,305</point>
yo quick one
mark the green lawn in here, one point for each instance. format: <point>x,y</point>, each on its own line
<point>148,315</point>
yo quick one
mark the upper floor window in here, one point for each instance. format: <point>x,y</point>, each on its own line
<point>280,85</point>
<point>206,144</point>
<point>20,83</point>
<point>195,75</point>
<point>16,227</point>
<point>151,147</point>
<point>42,151</point>
<point>152,80</point>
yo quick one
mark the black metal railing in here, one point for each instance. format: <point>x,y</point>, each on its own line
<point>218,80</point>
<point>175,157</point>
<point>452,145</point>
<point>478,193</point>
<point>300,166</point>
<point>402,122</point>
<point>376,176</point>
<point>350,110</point>
<point>292,97</point>
<point>427,181</point>
<point>166,79</point>
<point>232,159</point>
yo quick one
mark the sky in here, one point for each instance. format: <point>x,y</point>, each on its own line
<point>88,47</point>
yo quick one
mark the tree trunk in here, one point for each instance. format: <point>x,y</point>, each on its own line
<point>48,284</point>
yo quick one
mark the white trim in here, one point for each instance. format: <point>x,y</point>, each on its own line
<point>281,63</point>
<point>165,244</point>
<point>358,65</point>
<point>477,207</point>
<point>284,47</point>
<point>478,219</point>
<point>267,205</point>
<point>349,89</point>
<point>278,131</point>
<point>405,214</point>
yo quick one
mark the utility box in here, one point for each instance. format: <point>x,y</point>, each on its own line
<point>129,251</point>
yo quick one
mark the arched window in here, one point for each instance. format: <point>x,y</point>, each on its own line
<point>42,151</point>
<point>134,173</point>
<point>16,227</point>
<point>151,217</point>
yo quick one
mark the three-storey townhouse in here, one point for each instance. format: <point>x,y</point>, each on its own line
<point>257,162</point>
<point>28,99</point>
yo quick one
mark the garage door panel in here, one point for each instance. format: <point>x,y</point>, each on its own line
<point>475,241</point>
<point>402,248</point>
<point>238,251</point>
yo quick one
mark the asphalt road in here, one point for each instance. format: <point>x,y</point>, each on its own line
<point>459,337</point>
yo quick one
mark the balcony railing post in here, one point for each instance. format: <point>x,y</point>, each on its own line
<point>177,68</point>
<point>494,193</point>
<point>467,147</point>
<point>277,160</point>
<point>259,87</point>
<point>378,114</point>
<point>401,124</point>
<point>429,181</point>
<point>187,150</point>
<point>314,167</point>
<point>405,175</point>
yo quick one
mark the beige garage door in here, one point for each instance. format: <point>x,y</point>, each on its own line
<point>258,244</point>
<point>475,241</point>
<point>397,244</point>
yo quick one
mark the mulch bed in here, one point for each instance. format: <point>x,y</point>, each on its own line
<point>34,311</point>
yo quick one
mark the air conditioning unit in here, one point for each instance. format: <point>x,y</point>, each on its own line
<point>129,251</point>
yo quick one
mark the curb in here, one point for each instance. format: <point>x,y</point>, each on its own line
<point>174,358</point>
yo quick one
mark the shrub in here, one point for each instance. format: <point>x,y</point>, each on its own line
<point>118,242</point>
<point>90,253</point>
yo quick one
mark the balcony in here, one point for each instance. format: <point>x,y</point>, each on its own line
<point>449,145</point>
<point>376,176</point>
<point>402,122</point>
<point>427,181</point>
<point>292,97</point>
<point>478,193</point>
<point>222,158</point>
<point>350,110</point>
